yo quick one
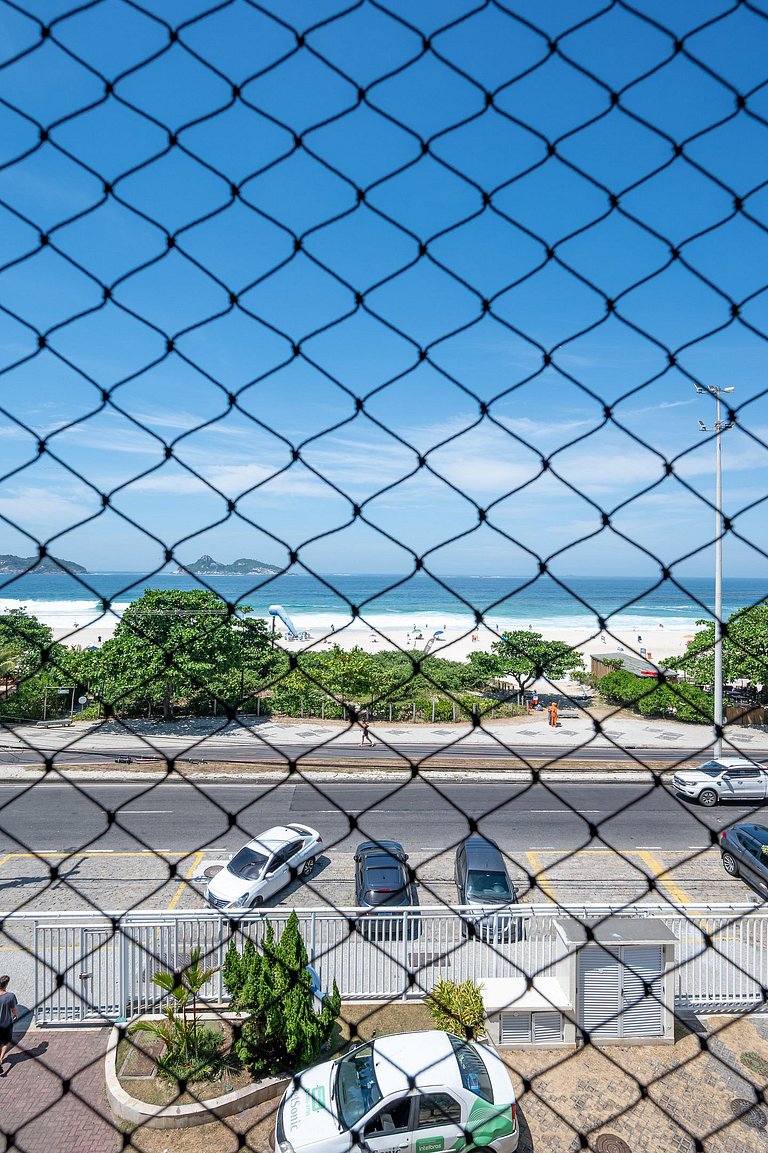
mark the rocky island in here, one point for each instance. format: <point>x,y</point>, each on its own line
<point>48,566</point>
<point>207,566</point>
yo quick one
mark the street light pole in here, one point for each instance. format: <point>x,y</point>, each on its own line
<point>719,428</point>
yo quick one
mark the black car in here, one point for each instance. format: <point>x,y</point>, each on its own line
<point>384,886</point>
<point>744,853</point>
<point>482,883</point>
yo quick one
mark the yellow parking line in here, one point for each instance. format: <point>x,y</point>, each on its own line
<point>538,872</point>
<point>7,857</point>
<point>659,873</point>
<point>185,883</point>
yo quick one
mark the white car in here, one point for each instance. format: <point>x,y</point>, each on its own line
<point>724,779</point>
<point>264,866</point>
<point>411,1091</point>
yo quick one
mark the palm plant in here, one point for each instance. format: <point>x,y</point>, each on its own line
<point>190,1052</point>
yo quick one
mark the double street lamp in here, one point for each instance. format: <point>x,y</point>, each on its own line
<point>719,427</point>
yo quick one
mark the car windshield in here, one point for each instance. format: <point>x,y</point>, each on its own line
<point>488,887</point>
<point>247,864</point>
<point>356,1088</point>
<point>474,1075</point>
<point>709,770</point>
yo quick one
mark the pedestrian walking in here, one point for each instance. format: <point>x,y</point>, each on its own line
<point>552,713</point>
<point>366,736</point>
<point>8,1014</point>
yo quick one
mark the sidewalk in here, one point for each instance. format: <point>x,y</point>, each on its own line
<point>656,1099</point>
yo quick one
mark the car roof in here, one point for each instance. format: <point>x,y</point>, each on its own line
<point>272,839</point>
<point>403,1060</point>
<point>759,832</point>
<point>483,853</point>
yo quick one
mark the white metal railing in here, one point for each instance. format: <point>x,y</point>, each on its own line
<point>92,966</point>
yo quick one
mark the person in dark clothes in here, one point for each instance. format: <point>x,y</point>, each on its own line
<point>8,1014</point>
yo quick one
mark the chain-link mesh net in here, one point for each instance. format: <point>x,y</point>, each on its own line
<point>415,288</point>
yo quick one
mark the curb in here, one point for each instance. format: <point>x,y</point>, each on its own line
<point>141,1113</point>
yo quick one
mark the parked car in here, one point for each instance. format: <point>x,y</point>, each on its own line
<point>384,886</point>
<point>744,853</point>
<point>264,866</point>
<point>724,779</point>
<point>482,883</point>
<point>412,1091</point>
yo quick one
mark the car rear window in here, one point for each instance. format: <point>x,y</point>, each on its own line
<point>474,1075</point>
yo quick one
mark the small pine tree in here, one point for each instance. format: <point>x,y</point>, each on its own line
<point>282,1032</point>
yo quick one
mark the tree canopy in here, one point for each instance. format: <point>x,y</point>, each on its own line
<point>523,656</point>
<point>745,649</point>
<point>172,645</point>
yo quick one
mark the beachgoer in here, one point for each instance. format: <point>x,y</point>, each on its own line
<point>366,736</point>
<point>8,1014</point>
<point>333,628</point>
<point>602,637</point>
<point>639,639</point>
<point>474,638</point>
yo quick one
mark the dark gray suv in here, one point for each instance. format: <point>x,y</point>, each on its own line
<point>384,886</point>
<point>482,882</point>
<point>744,853</point>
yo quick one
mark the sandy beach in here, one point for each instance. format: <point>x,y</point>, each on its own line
<point>454,640</point>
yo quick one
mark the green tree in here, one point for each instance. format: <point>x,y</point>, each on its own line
<point>173,645</point>
<point>29,639</point>
<point>523,656</point>
<point>283,1032</point>
<point>745,649</point>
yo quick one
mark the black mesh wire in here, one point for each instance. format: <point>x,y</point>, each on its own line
<point>262,258</point>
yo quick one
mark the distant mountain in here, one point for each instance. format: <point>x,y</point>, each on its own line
<point>47,566</point>
<point>207,566</point>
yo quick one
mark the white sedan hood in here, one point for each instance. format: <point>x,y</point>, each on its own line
<point>225,886</point>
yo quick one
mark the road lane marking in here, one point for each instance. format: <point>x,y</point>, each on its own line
<point>183,885</point>
<point>122,812</point>
<point>660,873</point>
<point>539,876</point>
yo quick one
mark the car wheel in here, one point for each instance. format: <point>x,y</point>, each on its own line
<point>730,864</point>
<point>256,902</point>
<point>708,798</point>
<point>308,867</point>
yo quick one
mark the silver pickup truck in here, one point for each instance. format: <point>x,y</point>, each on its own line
<point>727,779</point>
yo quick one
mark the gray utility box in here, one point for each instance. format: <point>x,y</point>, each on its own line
<point>613,985</point>
<point>624,979</point>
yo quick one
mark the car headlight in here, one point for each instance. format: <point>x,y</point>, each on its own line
<point>242,900</point>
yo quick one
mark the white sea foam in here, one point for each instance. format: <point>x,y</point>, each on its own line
<point>70,614</point>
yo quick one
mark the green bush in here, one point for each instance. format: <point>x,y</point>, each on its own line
<point>205,1063</point>
<point>282,1032</point>
<point>458,1008</point>
<point>192,1051</point>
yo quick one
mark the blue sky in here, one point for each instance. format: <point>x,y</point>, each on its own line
<point>386,282</point>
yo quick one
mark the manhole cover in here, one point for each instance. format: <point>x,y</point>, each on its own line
<point>755,1062</point>
<point>610,1143</point>
<point>749,1113</point>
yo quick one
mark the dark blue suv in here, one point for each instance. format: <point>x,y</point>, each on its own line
<point>744,853</point>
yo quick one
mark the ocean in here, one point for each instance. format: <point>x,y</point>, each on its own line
<point>391,602</point>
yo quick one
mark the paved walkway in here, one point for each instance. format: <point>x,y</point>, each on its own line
<point>657,1099</point>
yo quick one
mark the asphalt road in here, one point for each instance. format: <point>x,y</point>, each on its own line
<point>252,753</point>
<point>186,817</point>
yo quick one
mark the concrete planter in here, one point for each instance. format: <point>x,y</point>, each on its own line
<point>138,1112</point>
